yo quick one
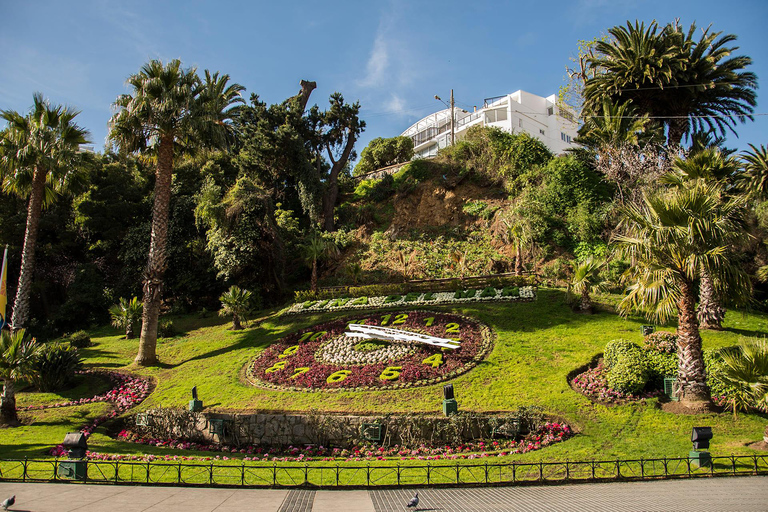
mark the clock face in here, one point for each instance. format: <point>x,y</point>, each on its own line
<point>324,357</point>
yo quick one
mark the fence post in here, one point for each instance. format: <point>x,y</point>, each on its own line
<point>458,478</point>
<point>733,463</point>
<point>755,460</point>
<point>179,469</point>
<point>24,474</point>
<point>242,475</point>
<point>688,460</point>
<point>514,471</point>
<point>486,471</point>
<point>148,471</point>
<point>666,469</point>
<point>306,477</point>
<point>593,468</point>
<point>56,468</point>
<point>117,471</point>
<point>429,470</point>
<point>398,473</point>
<point>642,469</point>
<point>274,474</point>
<point>567,471</point>
<point>368,475</point>
<point>210,478</point>
<point>337,475</point>
<point>618,469</point>
<point>541,471</point>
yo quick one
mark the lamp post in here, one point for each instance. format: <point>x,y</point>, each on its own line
<point>452,116</point>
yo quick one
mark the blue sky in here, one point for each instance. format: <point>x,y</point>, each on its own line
<point>393,56</point>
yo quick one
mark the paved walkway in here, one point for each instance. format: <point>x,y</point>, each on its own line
<point>696,495</point>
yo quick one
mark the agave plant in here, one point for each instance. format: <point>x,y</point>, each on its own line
<point>235,302</point>
<point>746,370</point>
<point>126,314</point>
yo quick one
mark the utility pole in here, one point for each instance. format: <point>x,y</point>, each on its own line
<point>452,119</point>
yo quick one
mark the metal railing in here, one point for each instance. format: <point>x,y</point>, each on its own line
<point>227,474</point>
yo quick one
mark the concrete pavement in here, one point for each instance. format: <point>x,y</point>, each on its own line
<point>695,495</point>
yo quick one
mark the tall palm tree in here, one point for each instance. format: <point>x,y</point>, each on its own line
<point>170,109</point>
<point>671,237</point>
<point>38,159</point>
<point>709,163</point>
<point>586,280</point>
<point>17,358</point>
<point>683,84</point>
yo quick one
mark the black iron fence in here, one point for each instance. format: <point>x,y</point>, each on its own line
<point>230,474</point>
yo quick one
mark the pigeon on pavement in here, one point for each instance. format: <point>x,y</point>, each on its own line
<point>8,502</point>
<point>414,501</point>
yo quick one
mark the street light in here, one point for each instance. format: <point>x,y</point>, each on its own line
<point>451,106</point>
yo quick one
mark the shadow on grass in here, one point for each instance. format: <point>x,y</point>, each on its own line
<point>251,338</point>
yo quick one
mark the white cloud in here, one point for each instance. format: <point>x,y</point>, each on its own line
<point>396,104</point>
<point>378,62</point>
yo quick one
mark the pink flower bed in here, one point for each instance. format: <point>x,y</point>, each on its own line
<point>548,434</point>
<point>594,384</point>
<point>128,392</point>
<point>278,366</point>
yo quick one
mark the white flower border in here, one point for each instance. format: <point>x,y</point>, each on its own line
<point>526,293</point>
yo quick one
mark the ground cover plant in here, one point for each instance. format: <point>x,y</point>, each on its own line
<point>538,345</point>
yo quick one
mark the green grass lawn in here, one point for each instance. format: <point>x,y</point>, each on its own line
<point>538,344</point>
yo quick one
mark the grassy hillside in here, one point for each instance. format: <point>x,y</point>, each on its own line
<point>537,345</point>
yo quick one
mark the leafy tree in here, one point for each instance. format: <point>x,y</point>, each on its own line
<point>684,84</point>
<point>586,280</point>
<point>125,314</point>
<point>337,130</point>
<point>670,238</point>
<point>17,359</point>
<point>236,302</point>
<point>38,159</point>
<point>169,108</point>
<point>383,152</point>
<point>746,370</point>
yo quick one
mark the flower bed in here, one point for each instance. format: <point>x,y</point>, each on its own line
<point>128,392</point>
<point>490,294</point>
<point>323,358</point>
<point>549,433</point>
<point>594,384</point>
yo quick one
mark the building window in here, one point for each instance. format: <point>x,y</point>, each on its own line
<point>550,111</point>
<point>520,123</point>
<point>541,131</point>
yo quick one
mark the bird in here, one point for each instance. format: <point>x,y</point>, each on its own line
<point>414,501</point>
<point>10,501</point>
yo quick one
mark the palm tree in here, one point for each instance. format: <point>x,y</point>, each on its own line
<point>235,302</point>
<point>316,248</point>
<point>17,358</point>
<point>754,179</point>
<point>709,163</point>
<point>38,159</point>
<point>746,370</point>
<point>518,233</point>
<point>126,314</point>
<point>586,280</point>
<point>684,84</point>
<point>672,237</point>
<point>169,109</point>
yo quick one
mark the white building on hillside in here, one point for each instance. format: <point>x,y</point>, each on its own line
<point>514,113</point>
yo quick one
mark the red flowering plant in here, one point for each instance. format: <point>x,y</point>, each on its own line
<point>594,384</point>
<point>324,358</point>
<point>549,433</point>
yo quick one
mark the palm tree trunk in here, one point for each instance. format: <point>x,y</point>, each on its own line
<point>129,334</point>
<point>519,260</point>
<point>24,291</point>
<point>710,313</point>
<point>153,276</point>
<point>314,275</point>
<point>586,301</point>
<point>236,323</point>
<point>8,414</point>
<point>691,373</point>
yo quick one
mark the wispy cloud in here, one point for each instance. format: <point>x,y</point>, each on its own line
<point>378,62</point>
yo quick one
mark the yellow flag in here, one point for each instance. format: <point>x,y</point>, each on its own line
<point>3,288</point>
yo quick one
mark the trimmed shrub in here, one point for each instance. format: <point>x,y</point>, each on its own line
<point>79,339</point>
<point>661,341</point>
<point>55,366</point>
<point>619,349</point>
<point>627,362</point>
<point>716,368</point>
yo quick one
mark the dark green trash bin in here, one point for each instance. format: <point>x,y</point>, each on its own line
<point>73,469</point>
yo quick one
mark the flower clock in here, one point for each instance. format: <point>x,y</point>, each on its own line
<point>326,357</point>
